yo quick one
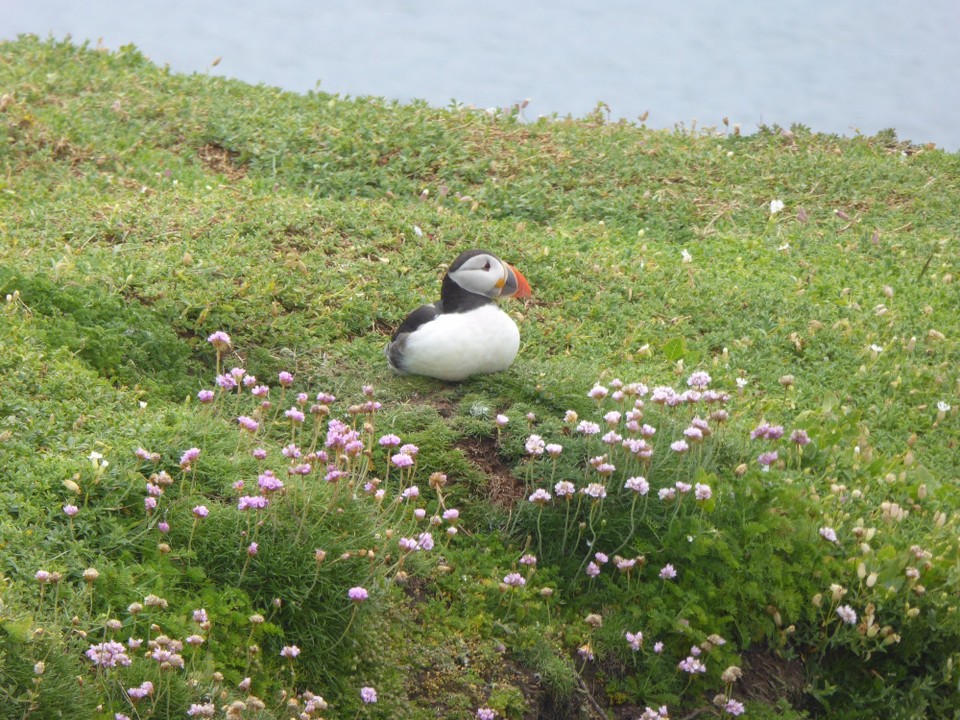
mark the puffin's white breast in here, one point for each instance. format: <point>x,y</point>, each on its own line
<point>454,346</point>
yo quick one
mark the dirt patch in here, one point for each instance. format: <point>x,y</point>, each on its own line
<point>221,160</point>
<point>769,678</point>
<point>445,406</point>
<point>504,489</point>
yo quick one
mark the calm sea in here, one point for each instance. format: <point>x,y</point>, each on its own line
<point>837,66</point>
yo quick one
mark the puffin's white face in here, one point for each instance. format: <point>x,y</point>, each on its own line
<point>488,275</point>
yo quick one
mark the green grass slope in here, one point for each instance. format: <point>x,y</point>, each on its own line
<point>812,277</point>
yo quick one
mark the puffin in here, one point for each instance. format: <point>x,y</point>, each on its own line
<point>464,333</point>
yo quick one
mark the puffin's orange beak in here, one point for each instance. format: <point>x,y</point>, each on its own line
<point>514,284</point>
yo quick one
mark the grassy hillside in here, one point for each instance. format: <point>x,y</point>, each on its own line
<point>812,278</point>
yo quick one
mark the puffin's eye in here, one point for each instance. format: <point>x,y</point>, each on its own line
<point>486,266</point>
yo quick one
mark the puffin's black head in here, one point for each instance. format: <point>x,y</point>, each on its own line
<point>481,273</point>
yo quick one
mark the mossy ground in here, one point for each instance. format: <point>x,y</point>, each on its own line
<point>141,210</point>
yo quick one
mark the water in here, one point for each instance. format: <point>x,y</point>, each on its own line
<point>837,66</point>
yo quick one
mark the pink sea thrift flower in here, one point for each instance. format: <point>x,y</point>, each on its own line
<point>734,707</point>
<point>368,695</point>
<point>667,572</point>
<point>401,460</point>
<point>285,378</point>
<point>70,510</point>
<point>702,491</point>
<point>289,651</point>
<point>248,424</point>
<point>638,485</point>
<point>540,497</point>
<point>389,441</point>
<point>358,594</point>
<point>564,488</point>
<point>514,580</point>
<point>828,534</point>
<point>847,614</point>
<point>220,340</point>
<point>189,457</point>
<point>635,640</point>
<point>535,445</point>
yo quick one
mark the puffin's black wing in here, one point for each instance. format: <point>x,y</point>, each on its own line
<point>420,316</point>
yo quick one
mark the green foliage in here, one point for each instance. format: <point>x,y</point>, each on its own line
<point>143,210</point>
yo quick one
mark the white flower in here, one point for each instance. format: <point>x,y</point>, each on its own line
<point>776,206</point>
<point>742,382</point>
<point>686,256</point>
<point>943,407</point>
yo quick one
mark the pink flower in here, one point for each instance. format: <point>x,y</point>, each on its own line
<point>200,511</point>
<point>389,441</point>
<point>254,502</point>
<point>588,428</point>
<point>528,559</point>
<point>108,654</point>
<point>501,421</point>
<point>635,640</point>
<point>692,665</point>
<point>248,424</point>
<point>358,594</point>
<point>553,449</point>
<point>411,492</point>
<point>189,457</point>
<point>679,446</point>
<point>598,392</point>
<point>220,340</point>
<point>828,534</point>
<point>295,414</point>
<point>368,695</point>
<point>734,707</point>
<point>285,378</point>
<point>425,541</point>
<point>289,651</point>
<point>699,380</point>
<point>564,488</point>
<point>535,445</point>
<point>847,614</point>
<point>486,713</point>
<point>667,572</point>
<point>252,549</point>
<point>540,497</point>
<point>592,569</point>
<point>401,460</point>
<point>70,510</point>
<point>205,396</point>
<point>451,515</point>
<point>514,580</point>
<point>595,490</point>
<point>702,491</point>
<point>767,459</point>
<point>638,485</point>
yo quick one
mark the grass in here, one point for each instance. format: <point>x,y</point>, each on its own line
<point>142,211</point>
